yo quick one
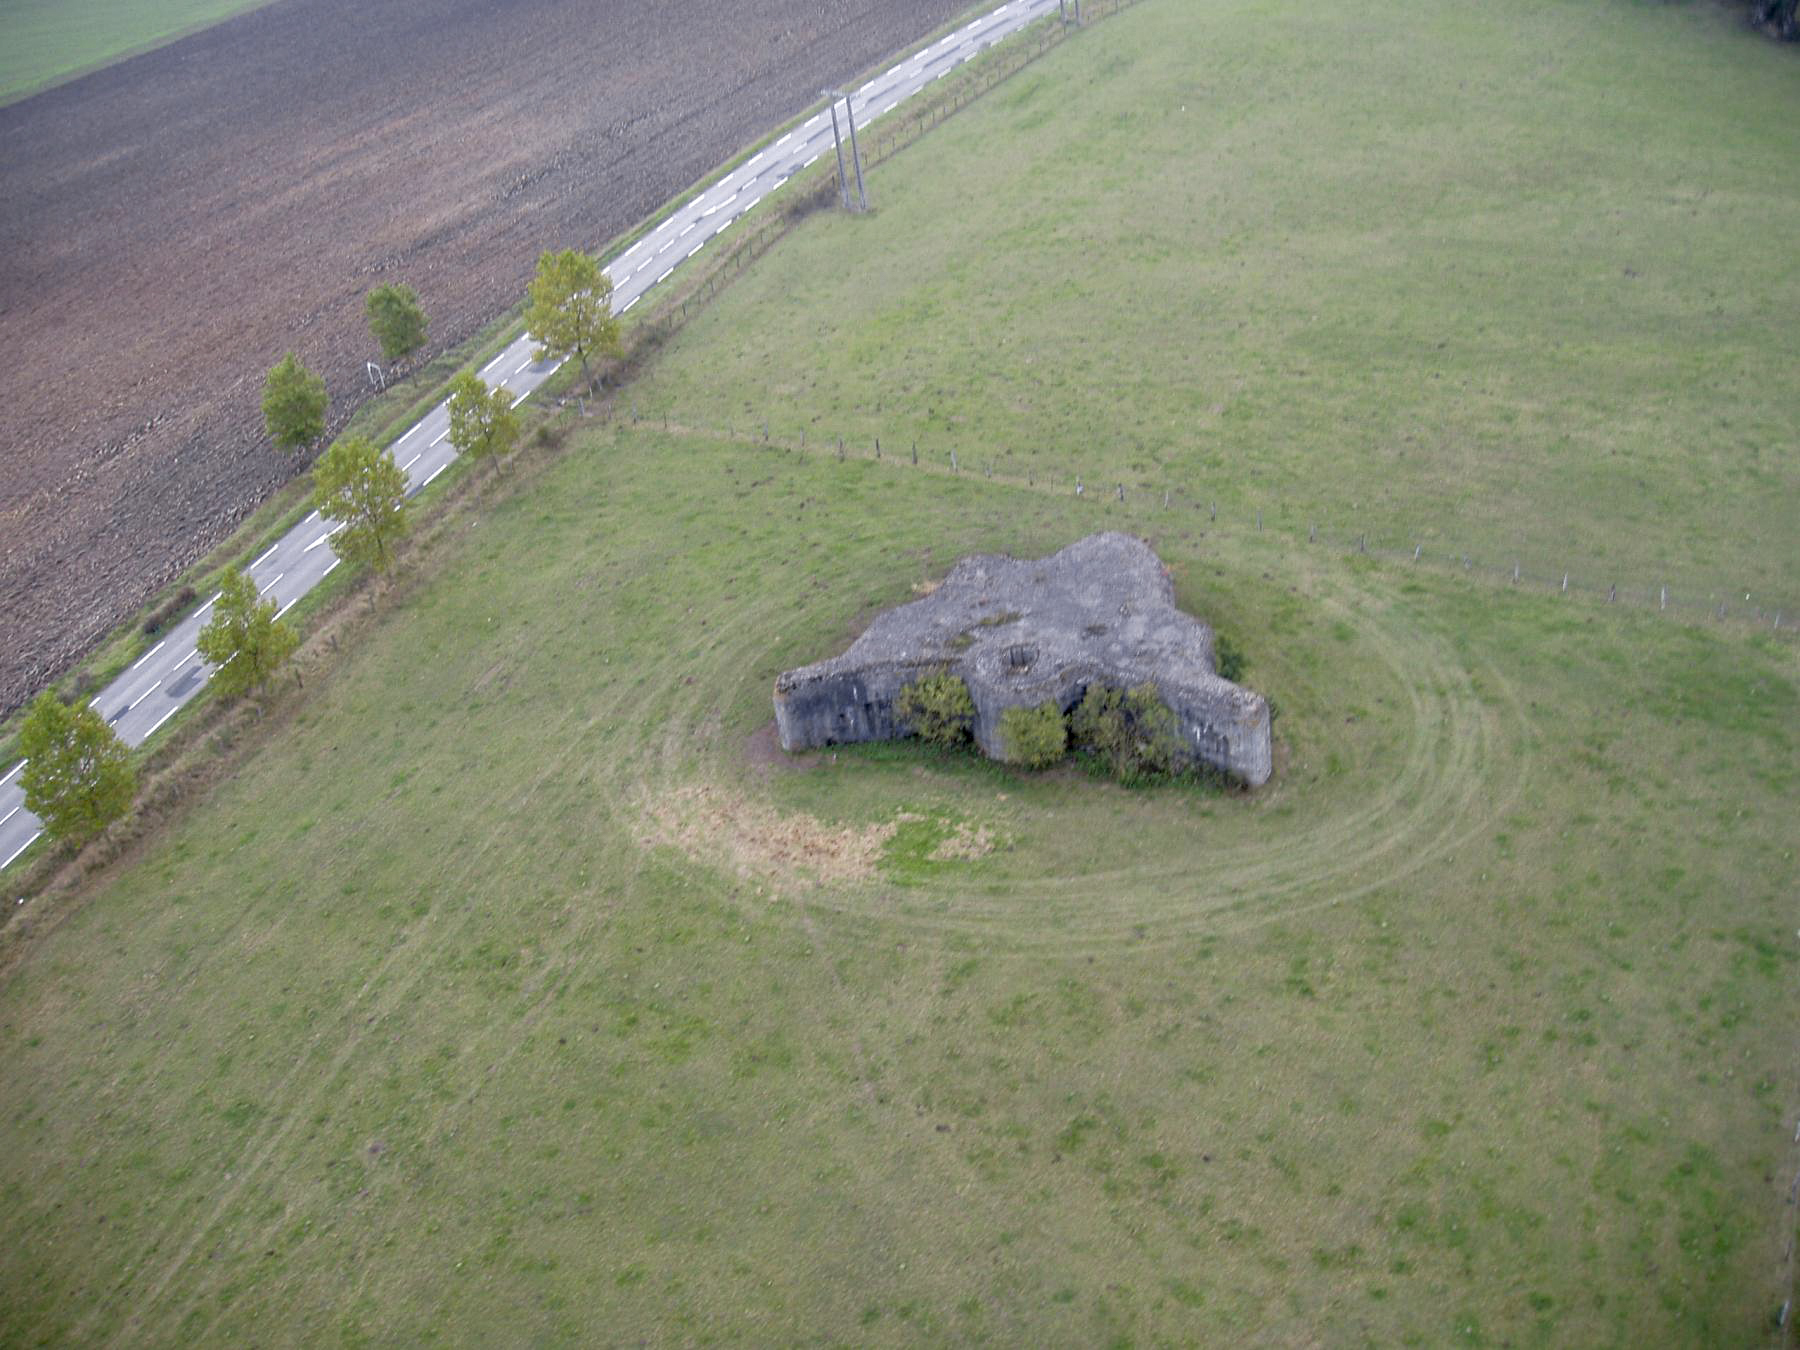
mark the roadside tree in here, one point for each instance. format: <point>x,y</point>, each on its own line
<point>294,403</point>
<point>244,640</point>
<point>570,308</point>
<point>78,777</point>
<point>482,420</point>
<point>396,320</point>
<point>363,488</point>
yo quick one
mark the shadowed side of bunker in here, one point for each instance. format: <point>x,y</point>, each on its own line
<point>1023,632</point>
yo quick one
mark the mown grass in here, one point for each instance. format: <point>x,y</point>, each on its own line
<point>1474,1027</point>
<point>44,42</point>
<point>1491,278</point>
<point>1478,1018</point>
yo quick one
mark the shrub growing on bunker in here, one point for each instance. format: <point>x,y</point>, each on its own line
<point>1133,731</point>
<point>1229,658</point>
<point>938,708</point>
<point>1034,737</point>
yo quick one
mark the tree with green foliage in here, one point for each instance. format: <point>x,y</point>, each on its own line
<point>244,639</point>
<point>1133,731</point>
<point>293,404</point>
<point>1034,737</point>
<point>570,308</point>
<point>1778,18</point>
<point>482,421</point>
<point>938,708</point>
<point>362,488</point>
<point>78,777</point>
<point>396,320</point>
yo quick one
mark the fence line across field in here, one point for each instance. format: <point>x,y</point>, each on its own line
<point>1668,595</point>
<point>1672,594</point>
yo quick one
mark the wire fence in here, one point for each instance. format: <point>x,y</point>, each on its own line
<point>1677,597</point>
<point>1686,597</point>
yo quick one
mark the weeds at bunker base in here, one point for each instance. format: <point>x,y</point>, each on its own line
<point>1021,633</point>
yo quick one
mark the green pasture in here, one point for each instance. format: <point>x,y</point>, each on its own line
<point>45,41</point>
<point>1498,278</point>
<point>518,992</point>
<point>1475,1024</point>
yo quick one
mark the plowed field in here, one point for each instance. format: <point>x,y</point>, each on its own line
<point>174,223</point>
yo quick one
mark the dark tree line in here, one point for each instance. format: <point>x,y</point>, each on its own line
<point>1778,18</point>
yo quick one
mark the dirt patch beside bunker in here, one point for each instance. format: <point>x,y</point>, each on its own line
<point>716,825</point>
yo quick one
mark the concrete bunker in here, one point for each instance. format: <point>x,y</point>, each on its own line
<point>1021,632</point>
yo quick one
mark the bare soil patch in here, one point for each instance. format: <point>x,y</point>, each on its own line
<point>763,752</point>
<point>715,824</point>
<point>175,222</point>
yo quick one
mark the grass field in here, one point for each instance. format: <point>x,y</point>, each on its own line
<point>1483,278</point>
<point>517,992</point>
<point>44,41</point>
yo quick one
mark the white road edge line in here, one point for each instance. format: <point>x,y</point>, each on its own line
<point>20,849</point>
<point>152,652</point>
<point>434,473</point>
<point>159,721</point>
<point>10,814</point>
<point>996,28</point>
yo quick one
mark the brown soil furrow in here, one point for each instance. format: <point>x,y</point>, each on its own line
<point>174,223</point>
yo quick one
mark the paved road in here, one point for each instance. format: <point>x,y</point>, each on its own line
<point>141,700</point>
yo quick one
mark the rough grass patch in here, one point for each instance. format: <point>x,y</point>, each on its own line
<point>713,824</point>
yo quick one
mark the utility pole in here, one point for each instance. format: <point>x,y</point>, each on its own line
<point>855,154</point>
<point>837,142</point>
<point>862,192</point>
